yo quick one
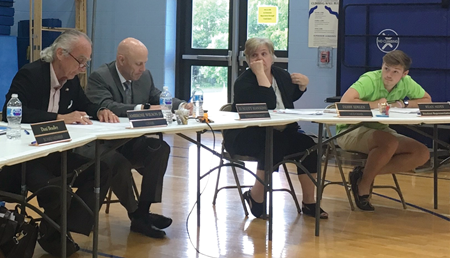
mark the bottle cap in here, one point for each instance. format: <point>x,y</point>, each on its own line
<point>14,95</point>
<point>165,88</point>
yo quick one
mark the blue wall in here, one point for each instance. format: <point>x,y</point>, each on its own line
<point>302,59</point>
<point>153,22</point>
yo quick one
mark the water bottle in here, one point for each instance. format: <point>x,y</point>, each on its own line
<point>165,101</point>
<point>14,116</point>
<point>197,100</point>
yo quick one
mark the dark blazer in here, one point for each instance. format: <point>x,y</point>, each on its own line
<point>247,90</point>
<point>32,84</point>
<point>105,89</point>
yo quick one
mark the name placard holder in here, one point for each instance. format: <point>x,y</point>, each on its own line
<point>252,111</point>
<point>434,109</point>
<point>50,132</point>
<point>146,118</point>
<point>353,109</point>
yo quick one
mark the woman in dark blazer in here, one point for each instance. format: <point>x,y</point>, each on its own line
<point>264,83</point>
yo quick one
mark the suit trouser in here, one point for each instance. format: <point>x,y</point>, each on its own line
<point>40,171</point>
<point>149,156</point>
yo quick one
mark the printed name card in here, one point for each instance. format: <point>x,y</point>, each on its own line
<point>146,118</point>
<point>353,109</point>
<point>253,111</point>
<point>50,132</point>
<point>434,109</point>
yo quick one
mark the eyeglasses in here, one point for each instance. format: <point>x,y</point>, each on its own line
<point>82,65</point>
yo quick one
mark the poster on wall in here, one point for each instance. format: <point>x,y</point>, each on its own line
<point>323,23</point>
<point>267,15</point>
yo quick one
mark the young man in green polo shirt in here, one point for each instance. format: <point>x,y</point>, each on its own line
<point>388,152</point>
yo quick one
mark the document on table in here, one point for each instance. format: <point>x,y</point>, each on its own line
<point>404,110</point>
<point>300,111</point>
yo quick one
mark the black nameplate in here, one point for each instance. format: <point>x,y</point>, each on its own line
<point>146,118</point>
<point>434,109</point>
<point>352,106</point>
<point>353,109</point>
<point>253,111</point>
<point>50,132</point>
<point>355,113</point>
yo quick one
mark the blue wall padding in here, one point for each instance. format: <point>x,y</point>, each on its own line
<point>5,30</point>
<point>430,51</point>
<point>6,3</point>
<point>8,64</point>
<point>7,11</point>
<point>5,20</point>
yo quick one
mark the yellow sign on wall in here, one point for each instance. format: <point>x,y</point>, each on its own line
<point>267,15</point>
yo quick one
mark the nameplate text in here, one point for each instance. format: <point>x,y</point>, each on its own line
<point>50,132</point>
<point>353,109</point>
<point>253,111</point>
<point>434,109</point>
<point>146,118</point>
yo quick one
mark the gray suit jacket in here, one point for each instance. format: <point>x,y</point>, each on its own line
<point>104,88</point>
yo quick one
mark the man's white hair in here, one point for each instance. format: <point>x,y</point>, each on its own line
<point>66,41</point>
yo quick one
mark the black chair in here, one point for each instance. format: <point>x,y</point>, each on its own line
<point>238,161</point>
<point>340,156</point>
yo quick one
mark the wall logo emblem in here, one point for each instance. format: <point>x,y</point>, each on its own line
<point>387,40</point>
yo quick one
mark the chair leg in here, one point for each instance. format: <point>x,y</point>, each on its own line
<point>108,201</point>
<point>292,191</point>
<point>399,191</point>
<point>344,181</point>
<point>216,191</point>
<point>238,186</point>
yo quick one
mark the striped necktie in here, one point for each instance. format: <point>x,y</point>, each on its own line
<point>128,93</point>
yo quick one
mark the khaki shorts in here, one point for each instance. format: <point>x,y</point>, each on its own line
<point>358,139</point>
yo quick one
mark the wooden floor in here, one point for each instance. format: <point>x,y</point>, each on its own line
<point>390,231</point>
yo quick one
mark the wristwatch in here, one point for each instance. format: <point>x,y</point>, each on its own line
<point>405,103</point>
<point>147,106</point>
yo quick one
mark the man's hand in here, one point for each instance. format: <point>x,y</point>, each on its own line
<point>76,117</point>
<point>300,79</point>
<point>106,115</point>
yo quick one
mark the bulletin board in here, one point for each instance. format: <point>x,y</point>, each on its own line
<point>370,28</point>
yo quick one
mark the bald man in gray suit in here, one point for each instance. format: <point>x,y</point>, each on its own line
<point>122,85</point>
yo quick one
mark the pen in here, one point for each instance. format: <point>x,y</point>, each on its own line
<point>26,132</point>
<point>86,116</point>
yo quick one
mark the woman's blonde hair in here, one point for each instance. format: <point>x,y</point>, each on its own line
<point>251,45</point>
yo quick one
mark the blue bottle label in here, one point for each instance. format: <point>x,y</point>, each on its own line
<point>13,111</point>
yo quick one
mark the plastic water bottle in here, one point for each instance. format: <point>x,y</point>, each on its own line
<point>197,100</point>
<point>14,116</point>
<point>165,101</point>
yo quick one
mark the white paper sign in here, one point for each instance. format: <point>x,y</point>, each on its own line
<point>323,23</point>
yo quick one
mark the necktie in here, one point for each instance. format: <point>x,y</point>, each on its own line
<point>127,85</point>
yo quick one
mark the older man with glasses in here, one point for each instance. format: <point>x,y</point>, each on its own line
<point>49,89</point>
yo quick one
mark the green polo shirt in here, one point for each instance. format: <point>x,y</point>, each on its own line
<point>370,88</point>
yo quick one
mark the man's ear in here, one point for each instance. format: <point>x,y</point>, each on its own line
<point>120,59</point>
<point>405,73</point>
<point>59,53</point>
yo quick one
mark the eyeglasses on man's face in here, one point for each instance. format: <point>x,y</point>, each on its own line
<point>82,65</point>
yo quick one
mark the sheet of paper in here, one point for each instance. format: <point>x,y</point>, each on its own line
<point>300,111</point>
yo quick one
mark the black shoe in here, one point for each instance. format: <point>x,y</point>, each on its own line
<point>361,201</point>
<point>142,226</point>
<point>159,221</point>
<point>50,240</point>
<point>255,207</point>
<point>310,210</point>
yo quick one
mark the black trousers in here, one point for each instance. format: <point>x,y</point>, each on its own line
<point>252,142</point>
<point>42,172</point>
<point>149,156</point>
